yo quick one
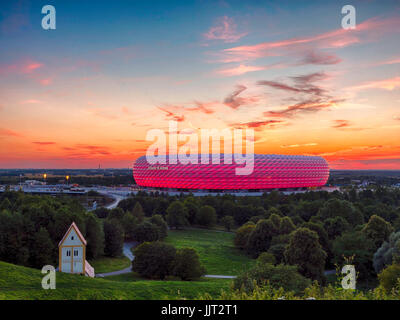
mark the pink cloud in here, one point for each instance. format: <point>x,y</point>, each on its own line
<point>368,30</point>
<point>21,67</point>
<point>387,84</point>
<point>31,101</point>
<point>45,82</point>
<point>225,30</point>
<point>241,69</point>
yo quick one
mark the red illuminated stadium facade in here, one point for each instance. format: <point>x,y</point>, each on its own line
<point>270,172</point>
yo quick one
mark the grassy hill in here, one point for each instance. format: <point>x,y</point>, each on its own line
<point>215,248</point>
<point>18,282</point>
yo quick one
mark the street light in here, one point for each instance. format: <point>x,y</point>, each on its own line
<point>67,178</point>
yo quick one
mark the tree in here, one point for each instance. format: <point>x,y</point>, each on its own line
<point>116,213</point>
<point>266,257</point>
<point>278,251</point>
<point>323,238</point>
<point>192,209</point>
<point>42,249</point>
<point>207,216</point>
<point>228,222</point>
<point>280,276</point>
<point>388,253</point>
<point>102,212</point>
<point>176,215</point>
<point>260,238</point>
<point>138,212</point>
<point>146,231</point>
<point>345,209</point>
<point>286,226</point>
<point>161,225</point>
<point>378,230</point>
<point>358,246</point>
<point>242,235</point>
<point>129,222</point>
<point>5,204</point>
<point>114,238</point>
<point>305,251</point>
<point>154,259</point>
<point>336,226</point>
<point>389,278</point>
<point>186,264</point>
<point>94,238</point>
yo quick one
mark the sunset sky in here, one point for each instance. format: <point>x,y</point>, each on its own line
<point>86,93</point>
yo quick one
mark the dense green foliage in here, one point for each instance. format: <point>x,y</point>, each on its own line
<point>154,260</point>
<point>389,278</point>
<point>114,238</point>
<point>32,226</point>
<point>305,251</point>
<point>206,216</point>
<point>279,276</point>
<point>388,253</point>
<point>186,264</point>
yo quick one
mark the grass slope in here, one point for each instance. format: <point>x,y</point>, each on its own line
<point>18,282</point>
<point>107,264</point>
<point>215,248</point>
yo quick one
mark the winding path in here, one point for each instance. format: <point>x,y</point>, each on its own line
<point>127,252</point>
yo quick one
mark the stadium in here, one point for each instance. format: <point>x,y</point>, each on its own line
<point>270,172</point>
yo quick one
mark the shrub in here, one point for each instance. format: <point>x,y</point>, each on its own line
<point>154,259</point>
<point>278,251</point>
<point>389,278</point>
<point>186,264</point>
<point>280,276</point>
<point>265,258</point>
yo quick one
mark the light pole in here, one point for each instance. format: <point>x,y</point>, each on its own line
<point>67,178</point>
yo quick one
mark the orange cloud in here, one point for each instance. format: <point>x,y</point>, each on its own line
<point>9,133</point>
<point>259,124</point>
<point>173,116</point>
<point>43,143</point>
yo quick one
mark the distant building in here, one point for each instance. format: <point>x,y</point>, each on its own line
<point>271,171</point>
<point>34,183</point>
<point>72,253</point>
